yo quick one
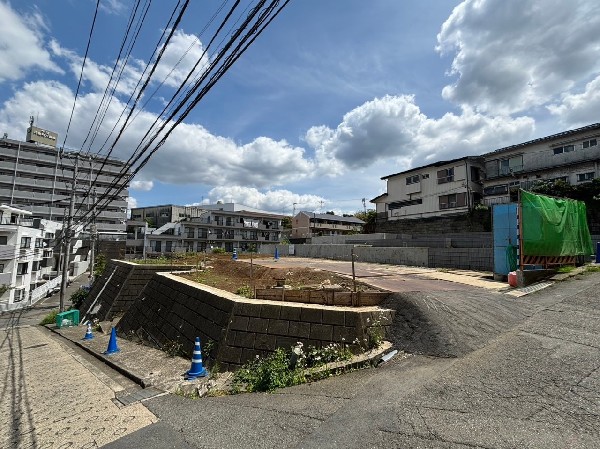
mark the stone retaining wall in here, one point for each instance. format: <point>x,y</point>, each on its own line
<point>118,286</point>
<point>323,297</point>
<point>175,310</point>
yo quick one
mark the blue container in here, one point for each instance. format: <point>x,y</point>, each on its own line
<point>597,252</point>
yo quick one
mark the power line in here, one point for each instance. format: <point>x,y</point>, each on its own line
<point>81,74</point>
<point>229,56</point>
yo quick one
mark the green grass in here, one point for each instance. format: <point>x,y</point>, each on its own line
<point>50,318</point>
<point>593,269</point>
<point>565,269</point>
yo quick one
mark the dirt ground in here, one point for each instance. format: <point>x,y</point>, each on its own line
<point>226,274</point>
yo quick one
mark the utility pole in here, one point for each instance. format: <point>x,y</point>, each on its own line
<point>364,201</point>
<point>67,235</point>
<point>93,238</point>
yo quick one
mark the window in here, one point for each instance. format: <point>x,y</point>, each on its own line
<point>446,175</point>
<point>425,176</point>
<point>453,200</point>
<point>3,239</point>
<point>412,179</point>
<point>229,221</point>
<point>169,246</point>
<point>157,246</point>
<point>564,149</point>
<point>25,242</point>
<point>19,295</point>
<point>582,177</point>
<point>511,165</point>
<point>1,268</point>
<point>35,266</point>
<point>22,268</point>
<point>39,243</point>
<point>589,143</point>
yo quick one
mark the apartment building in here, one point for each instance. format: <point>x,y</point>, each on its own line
<point>434,190</point>
<point>27,257</point>
<point>570,156</point>
<point>225,225</point>
<point>36,177</point>
<point>310,224</point>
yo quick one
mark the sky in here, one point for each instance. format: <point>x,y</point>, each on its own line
<point>330,98</point>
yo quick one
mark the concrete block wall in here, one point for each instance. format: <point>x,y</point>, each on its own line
<point>480,259</point>
<point>118,286</point>
<point>173,309</point>
<point>476,221</point>
<point>398,256</point>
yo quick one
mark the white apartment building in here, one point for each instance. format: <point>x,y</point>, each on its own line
<point>439,189</point>
<point>26,257</point>
<point>570,156</point>
<point>310,224</point>
<point>229,226</point>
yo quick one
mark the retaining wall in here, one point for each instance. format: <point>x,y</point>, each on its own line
<point>173,309</point>
<point>112,294</point>
<point>398,256</point>
<point>323,296</point>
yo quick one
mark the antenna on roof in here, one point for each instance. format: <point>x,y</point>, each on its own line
<point>31,120</point>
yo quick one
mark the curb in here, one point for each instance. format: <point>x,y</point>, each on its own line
<point>135,378</point>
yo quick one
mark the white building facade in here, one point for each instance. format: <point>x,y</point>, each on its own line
<point>26,258</point>
<point>571,156</point>
<point>439,189</point>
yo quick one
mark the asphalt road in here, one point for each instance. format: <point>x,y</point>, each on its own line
<point>525,373</point>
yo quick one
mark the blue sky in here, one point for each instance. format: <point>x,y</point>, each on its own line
<point>333,96</point>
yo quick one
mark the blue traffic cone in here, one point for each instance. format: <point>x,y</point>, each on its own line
<point>88,334</point>
<point>234,256</point>
<point>276,254</point>
<point>112,343</point>
<point>196,370</point>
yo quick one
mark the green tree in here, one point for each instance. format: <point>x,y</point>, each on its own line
<point>369,217</point>
<point>286,222</point>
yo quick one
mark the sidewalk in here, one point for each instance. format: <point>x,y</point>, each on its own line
<point>53,397</point>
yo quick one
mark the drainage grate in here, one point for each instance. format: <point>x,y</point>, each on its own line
<point>518,292</point>
<point>139,395</point>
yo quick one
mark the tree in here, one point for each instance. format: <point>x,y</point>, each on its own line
<point>286,222</point>
<point>369,217</point>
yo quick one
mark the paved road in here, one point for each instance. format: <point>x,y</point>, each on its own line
<point>530,382</point>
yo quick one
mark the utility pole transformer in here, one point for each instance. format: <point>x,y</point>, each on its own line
<point>67,236</point>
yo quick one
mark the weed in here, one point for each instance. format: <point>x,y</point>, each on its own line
<point>245,291</point>
<point>50,318</point>
<point>219,251</point>
<point>287,368</point>
<point>592,269</point>
<point>565,269</point>
<point>173,348</point>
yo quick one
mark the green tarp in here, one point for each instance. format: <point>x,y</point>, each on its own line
<point>554,226</point>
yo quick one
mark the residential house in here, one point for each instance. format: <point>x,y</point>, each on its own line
<point>434,190</point>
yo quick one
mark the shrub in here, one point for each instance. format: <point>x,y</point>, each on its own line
<point>219,251</point>
<point>79,296</point>
<point>50,318</point>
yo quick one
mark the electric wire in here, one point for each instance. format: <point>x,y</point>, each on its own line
<point>87,48</point>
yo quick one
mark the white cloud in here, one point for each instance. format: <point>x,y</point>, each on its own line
<point>131,203</point>
<point>511,55</point>
<point>21,48</point>
<point>576,109</point>
<point>394,128</point>
<point>113,6</point>
<point>183,51</point>
<point>192,155</point>
<point>276,201</point>
<point>144,186</point>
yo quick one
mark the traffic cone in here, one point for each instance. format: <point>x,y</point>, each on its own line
<point>112,343</point>
<point>88,334</point>
<point>234,256</point>
<point>276,254</point>
<point>196,370</point>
